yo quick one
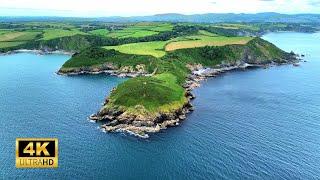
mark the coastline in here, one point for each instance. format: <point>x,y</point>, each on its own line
<point>116,122</point>
<point>38,52</point>
<point>122,122</point>
<point>109,72</point>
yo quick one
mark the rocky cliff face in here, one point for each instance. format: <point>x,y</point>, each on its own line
<point>141,121</point>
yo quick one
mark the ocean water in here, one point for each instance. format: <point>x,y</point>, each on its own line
<point>253,124</point>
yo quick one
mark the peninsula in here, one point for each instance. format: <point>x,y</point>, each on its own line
<point>164,60</point>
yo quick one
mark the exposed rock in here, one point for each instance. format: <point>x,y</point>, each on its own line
<point>143,123</point>
<point>113,123</point>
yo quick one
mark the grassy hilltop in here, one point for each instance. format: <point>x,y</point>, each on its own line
<point>148,95</point>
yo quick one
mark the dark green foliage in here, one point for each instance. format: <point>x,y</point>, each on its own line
<point>95,56</point>
<point>209,55</point>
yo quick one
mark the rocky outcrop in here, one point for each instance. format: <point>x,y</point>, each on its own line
<point>141,123</point>
<point>107,68</point>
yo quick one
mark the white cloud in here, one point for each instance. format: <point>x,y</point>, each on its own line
<point>149,7</point>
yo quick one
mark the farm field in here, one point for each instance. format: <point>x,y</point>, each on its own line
<point>203,40</point>
<point>15,38</point>
<point>154,48</point>
<point>10,44</point>
<point>57,33</point>
<point>126,33</point>
<point>237,26</point>
<point>18,36</point>
<point>159,48</point>
<point>100,32</point>
<point>140,30</point>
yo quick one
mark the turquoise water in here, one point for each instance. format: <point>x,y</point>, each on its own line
<point>258,124</point>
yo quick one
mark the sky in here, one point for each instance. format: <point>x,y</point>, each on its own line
<point>102,8</point>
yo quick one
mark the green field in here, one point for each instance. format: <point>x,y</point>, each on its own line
<point>204,40</point>
<point>18,36</point>
<point>2,31</point>
<point>141,30</point>
<point>100,32</point>
<point>160,93</point>
<point>159,48</point>
<point>126,33</point>
<point>157,27</point>
<point>15,38</point>
<point>237,26</point>
<point>154,48</point>
<point>10,44</point>
<point>57,33</point>
<point>46,25</point>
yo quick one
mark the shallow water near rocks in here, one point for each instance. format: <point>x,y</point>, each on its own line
<point>257,124</point>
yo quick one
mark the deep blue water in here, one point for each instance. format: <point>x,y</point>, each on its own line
<point>257,124</point>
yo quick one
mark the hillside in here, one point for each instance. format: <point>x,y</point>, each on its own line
<point>148,104</point>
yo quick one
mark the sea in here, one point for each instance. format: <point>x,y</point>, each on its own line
<point>247,124</point>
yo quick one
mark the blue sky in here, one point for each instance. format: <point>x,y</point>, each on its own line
<point>95,8</point>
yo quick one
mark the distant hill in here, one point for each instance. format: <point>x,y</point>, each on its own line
<point>196,18</point>
<point>227,17</point>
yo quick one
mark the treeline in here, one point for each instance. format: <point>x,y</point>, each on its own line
<point>95,26</point>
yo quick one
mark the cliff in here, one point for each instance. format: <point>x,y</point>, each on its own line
<point>149,104</point>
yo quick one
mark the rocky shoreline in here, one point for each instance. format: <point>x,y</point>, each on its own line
<point>38,52</point>
<point>119,121</point>
<point>138,126</point>
<point>110,72</point>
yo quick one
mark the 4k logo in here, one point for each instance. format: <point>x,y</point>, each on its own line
<point>36,153</point>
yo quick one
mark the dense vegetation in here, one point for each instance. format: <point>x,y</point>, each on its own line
<point>96,57</point>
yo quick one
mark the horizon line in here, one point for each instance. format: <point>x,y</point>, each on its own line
<point>119,16</point>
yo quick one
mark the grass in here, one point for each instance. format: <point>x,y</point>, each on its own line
<point>157,27</point>
<point>10,44</point>
<point>237,26</point>
<point>57,33</point>
<point>141,30</point>
<point>2,31</point>
<point>100,32</point>
<point>57,25</point>
<point>160,93</point>
<point>158,48</point>
<point>97,57</point>
<point>202,40</point>
<point>134,33</point>
<point>15,38</point>
<point>154,48</point>
<point>18,36</point>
